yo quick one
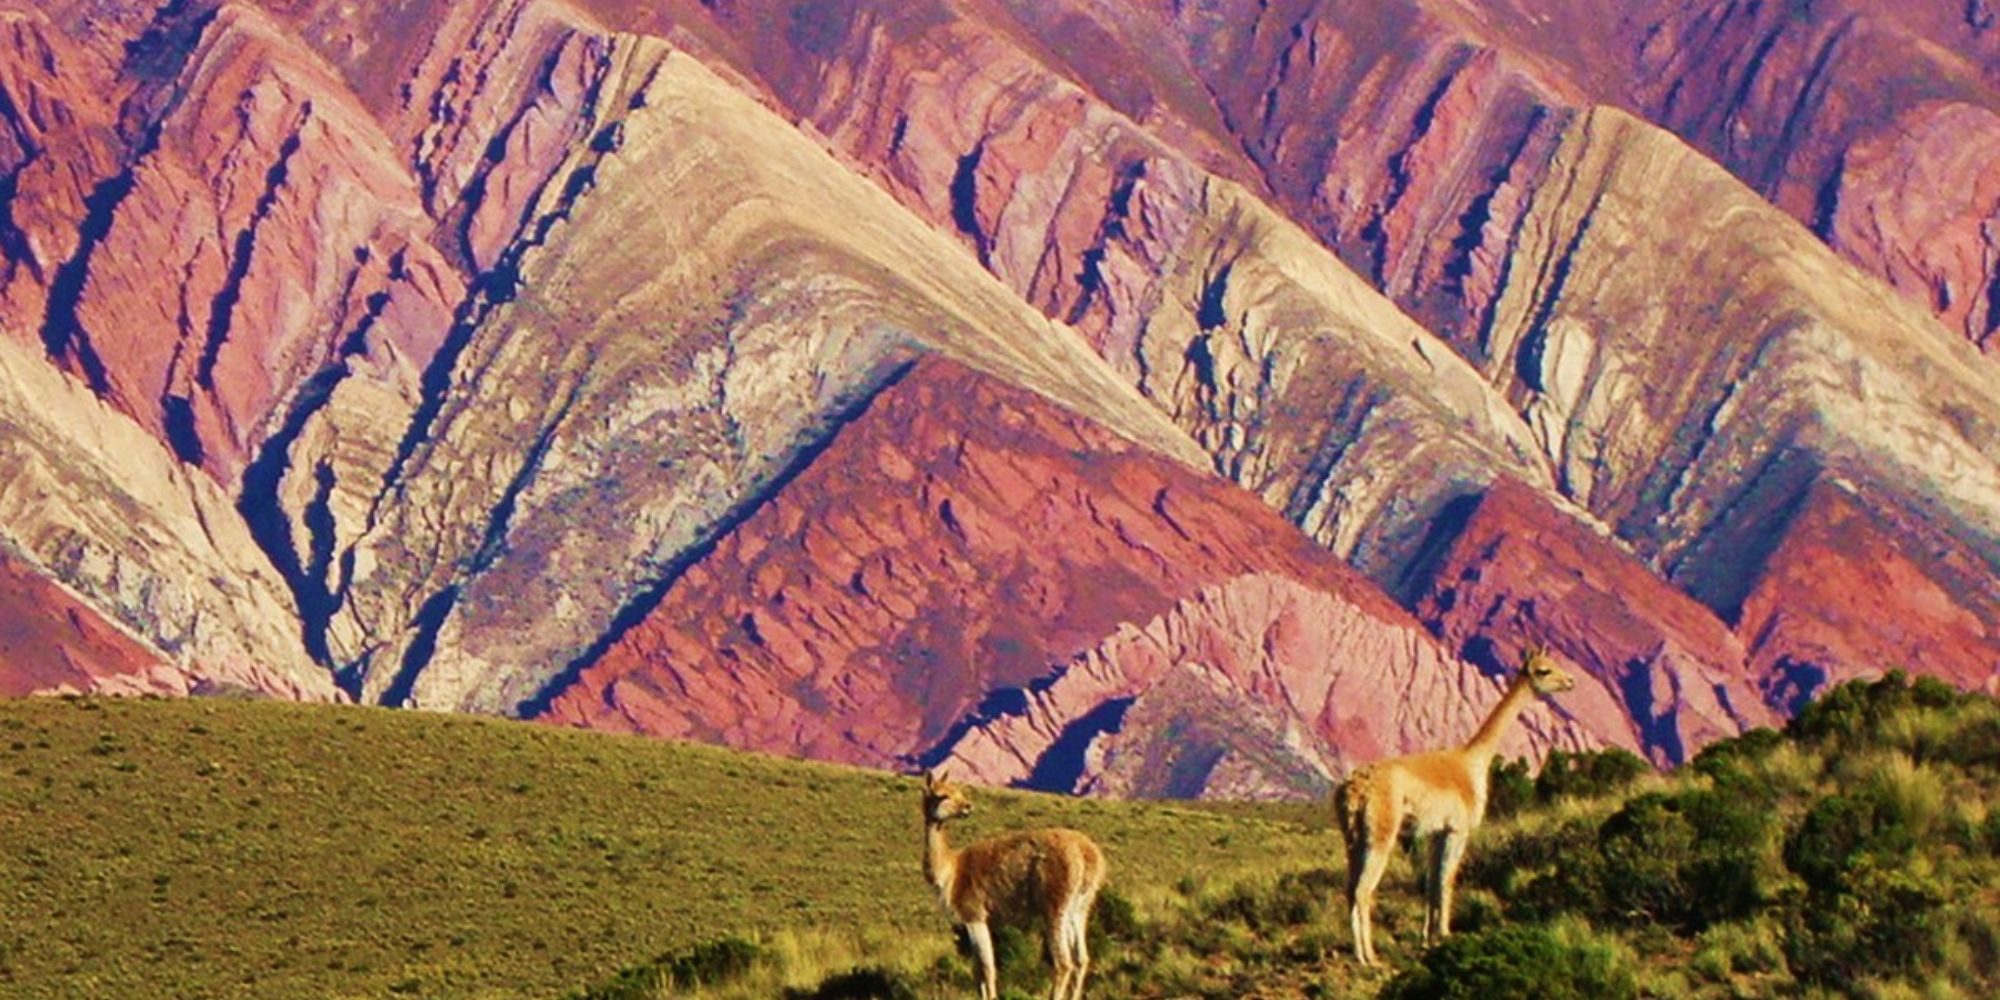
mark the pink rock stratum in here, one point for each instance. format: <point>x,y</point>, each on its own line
<point>1124,398</point>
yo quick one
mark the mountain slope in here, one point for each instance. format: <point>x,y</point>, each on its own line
<point>233,848</point>
<point>747,351</point>
<point>482,356</point>
<point>940,585</point>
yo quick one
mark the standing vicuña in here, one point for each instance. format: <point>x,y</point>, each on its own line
<point>1019,877</point>
<point>1444,791</point>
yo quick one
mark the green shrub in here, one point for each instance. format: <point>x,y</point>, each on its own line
<point>871,983</point>
<point>1726,758</point>
<point>1509,788</point>
<point>1016,950</point>
<point>711,963</point>
<point>1749,947</point>
<point>1536,872</point>
<point>1849,710</point>
<point>1975,742</point>
<point>1885,880</point>
<point>1295,899</point>
<point>1929,692</point>
<point>1518,960</point>
<point>1589,774</point>
<point>1856,709</point>
<point>1889,920</point>
<point>1841,829</point>
<point>1687,859</point>
<point>1113,919</point>
<point>1979,933</point>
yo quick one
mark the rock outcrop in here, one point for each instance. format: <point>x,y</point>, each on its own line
<point>1663,674</point>
<point>1919,204</point>
<point>1255,379</point>
<point>1260,686</point>
<point>93,501</point>
<point>683,390</point>
<point>250,233</point>
<point>1872,122</point>
<point>1398,131</point>
<point>1666,368</point>
<point>970,573</point>
<point>50,641</point>
<point>1846,593</point>
<point>1300,382</point>
<point>57,138</point>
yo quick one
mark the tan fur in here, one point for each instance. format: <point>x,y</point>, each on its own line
<point>1049,876</point>
<point>1442,793</point>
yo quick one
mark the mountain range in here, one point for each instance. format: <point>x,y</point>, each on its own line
<point>1126,397</point>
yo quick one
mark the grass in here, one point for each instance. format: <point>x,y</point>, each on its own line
<point>212,848</point>
<point>1857,854</point>
<point>225,849</point>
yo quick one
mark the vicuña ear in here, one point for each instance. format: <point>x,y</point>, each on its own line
<point>930,779</point>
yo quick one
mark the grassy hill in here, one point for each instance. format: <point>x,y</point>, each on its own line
<point>214,848</point>
<point>239,849</point>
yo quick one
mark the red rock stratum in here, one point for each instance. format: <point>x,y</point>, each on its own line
<point>1125,397</point>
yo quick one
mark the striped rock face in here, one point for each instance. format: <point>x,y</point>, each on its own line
<point>1124,398</point>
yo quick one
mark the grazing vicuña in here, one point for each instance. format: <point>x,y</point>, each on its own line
<point>1026,876</point>
<point>1443,791</point>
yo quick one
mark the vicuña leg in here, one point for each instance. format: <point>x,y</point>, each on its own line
<point>982,944</point>
<point>1451,851</point>
<point>1060,965</point>
<point>1079,943</point>
<point>1433,880</point>
<point>1363,878</point>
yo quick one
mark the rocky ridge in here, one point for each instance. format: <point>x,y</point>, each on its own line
<point>463,350</point>
<point>1078,567</point>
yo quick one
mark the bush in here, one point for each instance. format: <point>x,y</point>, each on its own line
<point>1890,920</point>
<point>1588,775</point>
<point>1687,859</point>
<point>1509,788</point>
<point>1724,759</point>
<point>1296,899</point>
<point>1856,709</point>
<point>1113,919</point>
<point>1535,871</point>
<point>711,963</point>
<point>1976,744</point>
<point>872,983</point>
<point>1883,896</point>
<point>1751,947</point>
<point>1016,950</point>
<point>1843,829</point>
<point>1519,960</point>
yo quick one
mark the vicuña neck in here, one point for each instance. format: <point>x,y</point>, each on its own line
<point>940,861</point>
<point>1486,742</point>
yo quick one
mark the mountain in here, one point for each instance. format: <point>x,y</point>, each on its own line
<point>1123,397</point>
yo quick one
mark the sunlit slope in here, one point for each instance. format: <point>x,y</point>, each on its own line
<point>257,849</point>
<point>93,501</point>
<point>713,297</point>
<point>1671,338</point>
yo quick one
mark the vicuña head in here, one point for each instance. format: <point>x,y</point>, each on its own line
<point>1443,791</point>
<point>1540,672</point>
<point>944,800</point>
<point>1048,876</point>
